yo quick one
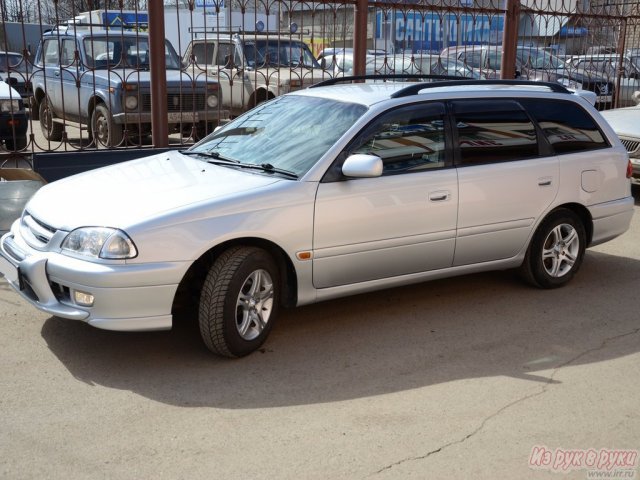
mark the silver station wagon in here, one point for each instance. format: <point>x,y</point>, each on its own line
<point>322,193</point>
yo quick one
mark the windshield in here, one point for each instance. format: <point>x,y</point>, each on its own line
<point>125,51</point>
<point>278,53</point>
<point>534,58</point>
<point>451,67</point>
<point>291,132</point>
<point>9,60</point>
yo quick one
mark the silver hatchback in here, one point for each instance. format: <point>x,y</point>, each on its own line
<point>322,193</point>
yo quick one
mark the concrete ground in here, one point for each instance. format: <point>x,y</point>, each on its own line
<point>459,378</point>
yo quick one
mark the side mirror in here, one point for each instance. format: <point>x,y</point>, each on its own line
<point>362,166</point>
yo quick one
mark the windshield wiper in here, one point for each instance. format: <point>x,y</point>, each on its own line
<point>215,157</point>
<point>218,159</point>
<point>267,167</point>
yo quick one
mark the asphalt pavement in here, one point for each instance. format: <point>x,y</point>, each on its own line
<point>472,377</point>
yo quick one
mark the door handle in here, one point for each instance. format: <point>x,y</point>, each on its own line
<point>544,181</point>
<point>439,196</point>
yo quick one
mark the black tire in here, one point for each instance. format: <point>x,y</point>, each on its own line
<point>20,143</point>
<point>202,130</point>
<point>51,130</point>
<point>105,132</point>
<point>234,320</point>
<point>34,110</point>
<point>556,250</point>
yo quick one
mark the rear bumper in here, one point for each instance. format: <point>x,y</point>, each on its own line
<point>611,219</point>
<point>13,125</point>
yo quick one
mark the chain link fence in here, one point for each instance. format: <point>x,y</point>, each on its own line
<point>77,75</point>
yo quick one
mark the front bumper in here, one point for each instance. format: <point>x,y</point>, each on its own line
<point>635,176</point>
<point>127,297</point>
<point>211,115</point>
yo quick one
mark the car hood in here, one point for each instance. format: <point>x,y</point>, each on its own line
<point>624,121</point>
<point>175,78</point>
<point>132,192</point>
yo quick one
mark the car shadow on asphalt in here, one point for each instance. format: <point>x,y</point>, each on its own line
<point>394,340</point>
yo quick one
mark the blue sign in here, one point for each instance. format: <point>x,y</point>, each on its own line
<point>138,20</point>
<point>433,31</point>
<point>210,4</point>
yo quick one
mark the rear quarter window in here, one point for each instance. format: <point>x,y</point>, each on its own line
<point>567,126</point>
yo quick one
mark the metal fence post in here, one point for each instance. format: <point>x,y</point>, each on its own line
<point>620,71</point>
<point>510,40</point>
<point>157,68</point>
<point>360,37</point>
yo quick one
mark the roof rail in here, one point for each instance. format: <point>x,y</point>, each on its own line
<point>405,77</point>
<point>239,31</point>
<point>414,89</point>
<point>73,25</point>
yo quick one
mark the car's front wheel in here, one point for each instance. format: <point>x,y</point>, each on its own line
<point>239,301</point>
<point>51,130</point>
<point>105,131</point>
<point>556,250</point>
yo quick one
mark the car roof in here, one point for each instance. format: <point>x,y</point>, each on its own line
<point>600,56</point>
<point>369,94</point>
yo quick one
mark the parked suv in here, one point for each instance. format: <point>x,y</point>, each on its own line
<point>326,192</point>
<point>100,79</point>
<point>534,64</point>
<point>253,68</point>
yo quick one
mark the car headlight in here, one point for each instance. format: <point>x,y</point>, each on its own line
<point>567,82</point>
<point>100,242</point>
<point>212,101</point>
<point>10,106</point>
<point>131,102</point>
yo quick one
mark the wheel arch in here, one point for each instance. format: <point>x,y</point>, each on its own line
<point>39,94</point>
<point>94,101</point>
<point>262,94</point>
<point>583,214</point>
<point>196,273</point>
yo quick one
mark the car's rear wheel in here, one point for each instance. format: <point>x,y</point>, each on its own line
<point>105,131</point>
<point>51,130</point>
<point>556,250</point>
<point>239,301</point>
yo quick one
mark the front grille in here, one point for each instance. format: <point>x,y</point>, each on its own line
<point>61,292</point>
<point>600,88</point>
<point>39,230</point>
<point>631,145</point>
<point>176,102</point>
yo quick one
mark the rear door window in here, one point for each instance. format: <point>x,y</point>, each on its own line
<point>493,130</point>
